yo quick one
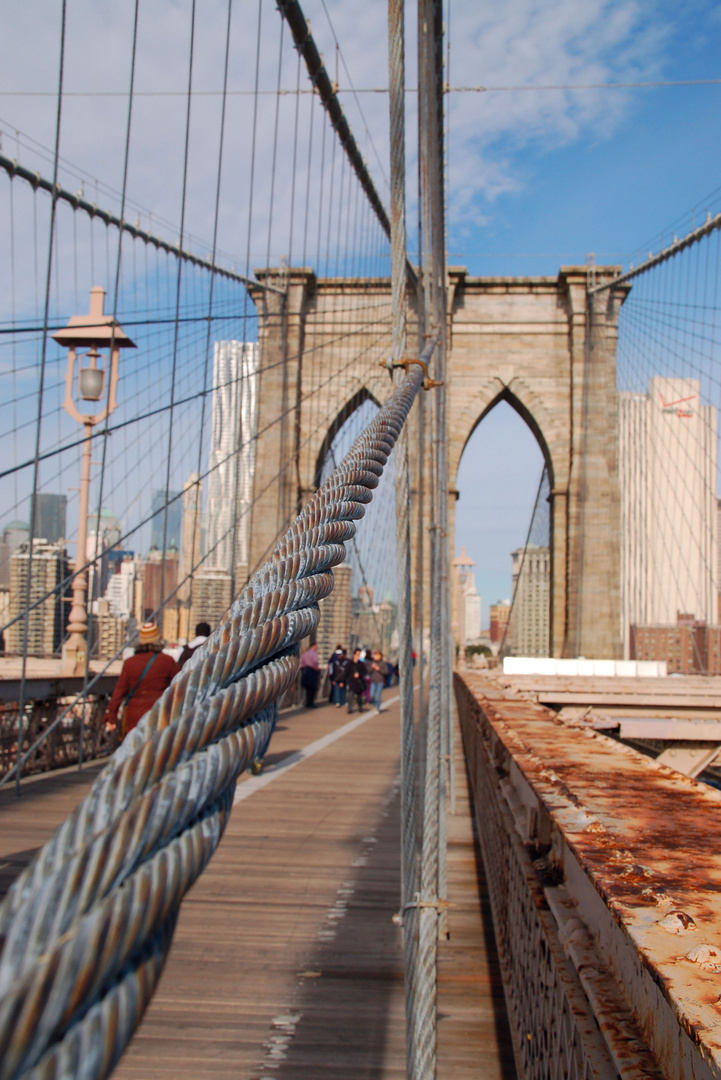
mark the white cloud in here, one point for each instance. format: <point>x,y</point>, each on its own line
<point>520,42</point>
<point>529,42</point>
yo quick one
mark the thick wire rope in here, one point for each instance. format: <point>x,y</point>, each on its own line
<point>339,52</point>
<point>437,747</point>
<point>96,213</point>
<point>409,842</point>
<point>36,466</point>
<point>76,926</point>
<point>67,710</point>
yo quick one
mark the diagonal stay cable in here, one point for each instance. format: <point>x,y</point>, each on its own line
<point>85,929</point>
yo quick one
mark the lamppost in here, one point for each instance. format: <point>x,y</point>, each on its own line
<point>89,332</point>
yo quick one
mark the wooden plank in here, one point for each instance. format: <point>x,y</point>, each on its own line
<point>29,821</point>
<point>473,1035</point>
<point>286,961</point>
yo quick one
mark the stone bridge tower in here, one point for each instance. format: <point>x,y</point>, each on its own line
<point>543,344</point>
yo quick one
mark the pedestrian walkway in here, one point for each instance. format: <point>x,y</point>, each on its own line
<point>286,962</point>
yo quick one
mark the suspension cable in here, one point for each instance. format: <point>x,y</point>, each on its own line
<point>73,986</point>
<point>12,168</point>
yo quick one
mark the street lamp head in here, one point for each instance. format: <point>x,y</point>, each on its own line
<point>91,381</point>
<point>95,330</point>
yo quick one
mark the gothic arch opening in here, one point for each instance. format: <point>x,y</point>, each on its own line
<point>507,397</point>
<point>499,483</point>
<point>341,421</point>
<point>366,582</point>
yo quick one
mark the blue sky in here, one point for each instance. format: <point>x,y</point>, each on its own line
<point>597,171</point>
<point>536,178</point>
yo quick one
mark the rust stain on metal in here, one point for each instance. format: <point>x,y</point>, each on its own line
<point>643,834</point>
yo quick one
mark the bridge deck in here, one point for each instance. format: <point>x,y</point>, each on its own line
<point>286,962</point>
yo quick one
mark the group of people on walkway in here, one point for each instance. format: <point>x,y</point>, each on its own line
<point>354,681</point>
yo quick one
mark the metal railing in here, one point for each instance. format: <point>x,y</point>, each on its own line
<point>80,734</point>
<point>605,931</point>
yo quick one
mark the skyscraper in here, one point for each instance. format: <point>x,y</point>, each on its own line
<point>174,514</point>
<point>46,621</point>
<point>667,467</point>
<point>335,614</point>
<point>467,600</point>
<point>232,453</point>
<point>160,577</point>
<point>191,531</point>
<point>531,595</point>
<point>211,598</point>
<point>50,513</point>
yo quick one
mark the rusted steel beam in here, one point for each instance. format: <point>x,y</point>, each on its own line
<point>628,884</point>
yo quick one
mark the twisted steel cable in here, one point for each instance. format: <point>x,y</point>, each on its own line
<point>86,928</point>
<point>409,843</point>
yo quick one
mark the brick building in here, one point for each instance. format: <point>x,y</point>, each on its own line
<point>689,648</point>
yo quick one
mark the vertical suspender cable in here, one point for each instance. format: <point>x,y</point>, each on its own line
<point>433,862</point>
<point>428,913</point>
<point>438,292</point>
<point>251,193</point>
<point>97,553</point>
<point>409,882</point>
<point>201,438</point>
<point>161,606</point>
<point>41,387</point>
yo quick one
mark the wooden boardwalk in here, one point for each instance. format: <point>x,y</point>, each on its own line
<point>286,962</point>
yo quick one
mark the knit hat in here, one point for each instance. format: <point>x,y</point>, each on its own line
<point>149,633</point>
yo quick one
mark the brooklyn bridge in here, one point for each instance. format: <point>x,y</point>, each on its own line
<point>366,824</point>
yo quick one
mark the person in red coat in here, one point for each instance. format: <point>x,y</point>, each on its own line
<point>144,677</point>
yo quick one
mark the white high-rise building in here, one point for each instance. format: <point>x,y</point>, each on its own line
<point>468,602</point>
<point>232,453</point>
<point>120,592</point>
<point>531,576</point>
<point>667,468</point>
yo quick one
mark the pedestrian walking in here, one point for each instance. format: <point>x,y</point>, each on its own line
<point>366,658</point>
<point>337,674</point>
<point>310,675</point>
<point>143,678</point>
<point>356,682</point>
<point>202,633</point>
<point>378,670</point>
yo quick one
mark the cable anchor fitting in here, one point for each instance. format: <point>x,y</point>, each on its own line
<point>439,905</point>
<point>428,382</point>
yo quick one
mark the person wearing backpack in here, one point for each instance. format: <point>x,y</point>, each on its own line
<point>144,677</point>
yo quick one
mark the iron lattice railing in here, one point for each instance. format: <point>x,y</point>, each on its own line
<point>82,727</point>
<point>554,1030</point>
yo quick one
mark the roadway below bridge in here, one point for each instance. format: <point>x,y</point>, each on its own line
<point>286,962</point>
